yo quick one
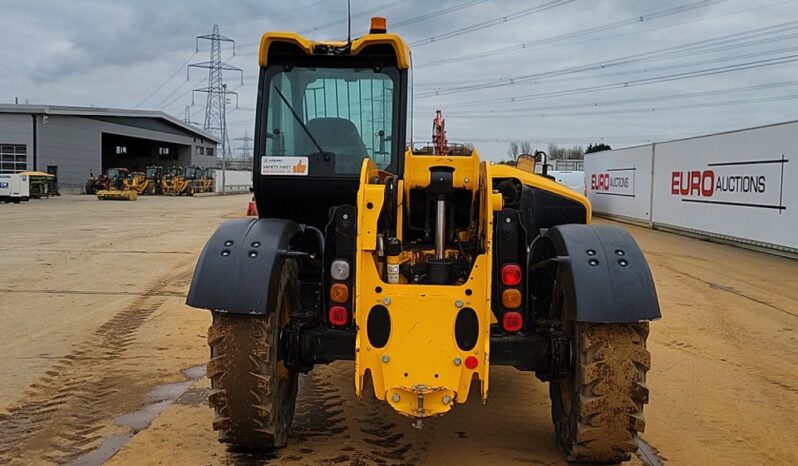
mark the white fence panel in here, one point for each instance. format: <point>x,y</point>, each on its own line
<point>619,182</point>
<point>739,185</point>
<point>235,181</point>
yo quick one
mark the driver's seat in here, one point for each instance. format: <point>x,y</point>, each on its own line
<point>339,136</point>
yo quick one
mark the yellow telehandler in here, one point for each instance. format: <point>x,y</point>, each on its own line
<point>424,269</point>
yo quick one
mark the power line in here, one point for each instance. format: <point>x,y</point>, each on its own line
<point>275,15</point>
<point>492,22</point>
<point>779,98</point>
<point>647,71</point>
<point>433,14</point>
<point>521,112</point>
<point>159,87</point>
<point>702,46</point>
<point>602,28</point>
<point>162,103</point>
<point>639,82</point>
<point>376,9</point>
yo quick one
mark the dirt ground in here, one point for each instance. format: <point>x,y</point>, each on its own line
<point>103,362</point>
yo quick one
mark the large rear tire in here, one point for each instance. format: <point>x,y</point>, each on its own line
<point>252,392</point>
<point>598,409</point>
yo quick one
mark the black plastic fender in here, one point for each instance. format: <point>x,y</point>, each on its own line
<point>603,269</point>
<point>240,264</point>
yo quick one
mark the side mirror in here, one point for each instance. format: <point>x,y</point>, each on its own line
<point>526,162</point>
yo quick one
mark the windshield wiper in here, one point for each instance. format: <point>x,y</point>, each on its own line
<point>299,120</point>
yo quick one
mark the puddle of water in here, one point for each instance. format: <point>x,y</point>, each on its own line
<point>168,392</point>
<point>195,373</point>
<point>104,452</point>
<point>159,398</point>
<point>139,420</point>
<point>648,454</point>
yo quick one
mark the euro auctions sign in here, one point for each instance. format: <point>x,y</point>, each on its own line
<point>739,185</point>
<point>619,182</point>
<point>755,183</point>
<point>614,182</point>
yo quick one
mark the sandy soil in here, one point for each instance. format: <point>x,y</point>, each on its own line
<point>96,342</point>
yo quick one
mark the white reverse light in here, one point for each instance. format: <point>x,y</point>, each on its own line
<point>339,269</point>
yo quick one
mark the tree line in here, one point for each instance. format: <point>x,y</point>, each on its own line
<point>555,152</point>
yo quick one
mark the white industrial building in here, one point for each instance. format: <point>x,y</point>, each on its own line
<point>71,142</point>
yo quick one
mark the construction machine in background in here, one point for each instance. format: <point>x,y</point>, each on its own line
<point>440,145</point>
<point>193,180</point>
<point>207,183</point>
<point>117,184</point>
<point>424,267</point>
<point>178,181</point>
<point>153,175</point>
<point>201,179</point>
<point>113,178</point>
<point>135,181</point>
<point>117,195</point>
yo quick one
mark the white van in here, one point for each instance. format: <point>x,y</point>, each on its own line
<point>571,179</point>
<point>14,187</point>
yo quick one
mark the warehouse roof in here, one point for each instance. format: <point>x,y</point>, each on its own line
<point>105,112</point>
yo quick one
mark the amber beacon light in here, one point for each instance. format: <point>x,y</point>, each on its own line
<point>378,25</point>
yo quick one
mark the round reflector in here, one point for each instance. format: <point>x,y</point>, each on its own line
<point>339,270</point>
<point>511,298</point>
<point>339,293</point>
<point>511,274</point>
<point>471,362</point>
<point>512,321</point>
<point>338,315</point>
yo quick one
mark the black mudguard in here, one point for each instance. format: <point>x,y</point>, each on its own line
<point>240,264</point>
<point>603,269</point>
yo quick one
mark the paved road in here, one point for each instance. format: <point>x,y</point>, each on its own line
<point>103,360</point>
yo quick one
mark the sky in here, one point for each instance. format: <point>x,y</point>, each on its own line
<point>568,72</point>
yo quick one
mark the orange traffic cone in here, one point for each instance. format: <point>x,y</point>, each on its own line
<point>252,208</point>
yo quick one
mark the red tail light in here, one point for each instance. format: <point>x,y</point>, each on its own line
<point>512,321</point>
<point>471,362</point>
<point>511,274</point>
<point>338,315</point>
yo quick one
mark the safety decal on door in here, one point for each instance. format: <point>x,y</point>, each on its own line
<point>290,166</point>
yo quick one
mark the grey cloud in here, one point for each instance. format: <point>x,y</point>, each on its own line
<point>114,53</point>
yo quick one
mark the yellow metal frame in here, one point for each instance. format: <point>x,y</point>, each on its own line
<point>358,45</point>
<point>421,372</point>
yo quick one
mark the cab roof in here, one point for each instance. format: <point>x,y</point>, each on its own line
<point>312,47</point>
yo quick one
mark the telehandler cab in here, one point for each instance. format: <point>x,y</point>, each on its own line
<point>424,269</point>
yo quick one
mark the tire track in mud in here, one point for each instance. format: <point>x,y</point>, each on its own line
<point>140,294</point>
<point>64,413</point>
<point>332,428</point>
